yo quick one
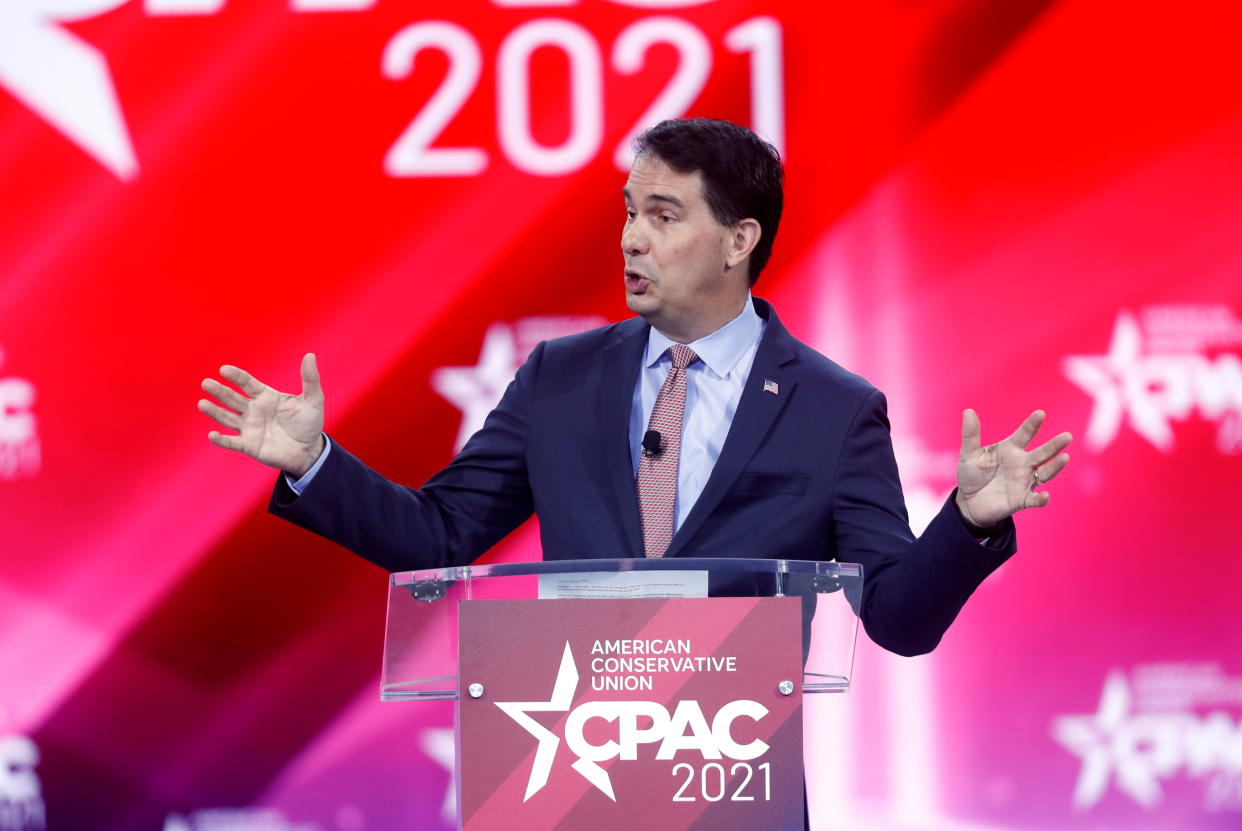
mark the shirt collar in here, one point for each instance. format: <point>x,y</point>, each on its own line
<point>720,350</point>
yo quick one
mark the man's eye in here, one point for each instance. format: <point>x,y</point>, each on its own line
<point>629,216</point>
<point>666,218</point>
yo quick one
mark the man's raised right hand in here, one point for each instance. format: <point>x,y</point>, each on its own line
<point>281,430</point>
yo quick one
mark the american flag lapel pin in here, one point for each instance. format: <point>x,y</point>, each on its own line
<point>771,386</point>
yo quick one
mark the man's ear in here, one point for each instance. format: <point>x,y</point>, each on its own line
<point>743,237</point>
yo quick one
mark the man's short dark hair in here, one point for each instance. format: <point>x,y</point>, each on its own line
<point>742,174</point>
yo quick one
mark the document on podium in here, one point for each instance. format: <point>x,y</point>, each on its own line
<point>624,585</point>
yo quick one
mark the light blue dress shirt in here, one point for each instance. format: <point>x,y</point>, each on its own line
<point>713,389</point>
<point>300,485</point>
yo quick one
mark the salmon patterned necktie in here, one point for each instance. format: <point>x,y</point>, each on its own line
<point>657,472</point>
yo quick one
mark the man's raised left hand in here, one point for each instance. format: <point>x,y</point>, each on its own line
<point>997,481</point>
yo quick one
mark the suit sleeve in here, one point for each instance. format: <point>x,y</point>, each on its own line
<point>453,519</point>
<point>912,588</point>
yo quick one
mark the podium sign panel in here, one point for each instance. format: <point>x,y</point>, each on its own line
<point>603,694</point>
<point>677,713</point>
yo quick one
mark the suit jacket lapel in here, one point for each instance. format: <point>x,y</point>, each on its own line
<point>621,363</point>
<point>756,411</point>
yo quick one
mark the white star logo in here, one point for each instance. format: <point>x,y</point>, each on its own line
<point>1110,742</point>
<point>1121,382</point>
<point>476,390</point>
<point>63,79</point>
<point>562,696</point>
<point>67,82</point>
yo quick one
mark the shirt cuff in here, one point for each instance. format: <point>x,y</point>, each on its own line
<point>983,536</point>
<point>300,485</point>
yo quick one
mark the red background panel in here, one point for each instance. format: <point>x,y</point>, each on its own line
<point>996,205</point>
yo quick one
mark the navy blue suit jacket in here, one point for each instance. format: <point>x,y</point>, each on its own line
<point>805,474</point>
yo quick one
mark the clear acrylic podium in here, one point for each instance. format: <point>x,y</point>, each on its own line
<point>420,642</point>
<point>726,647</point>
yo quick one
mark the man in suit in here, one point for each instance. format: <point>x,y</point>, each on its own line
<point>700,428</point>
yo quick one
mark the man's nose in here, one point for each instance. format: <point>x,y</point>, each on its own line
<point>633,240</point>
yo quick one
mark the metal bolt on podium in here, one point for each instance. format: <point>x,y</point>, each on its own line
<point>428,591</point>
<point>786,687</point>
<point>475,690</point>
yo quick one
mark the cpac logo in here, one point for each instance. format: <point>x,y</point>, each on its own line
<point>686,728</point>
<point>20,453</point>
<point>1139,750</point>
<point>476,390</point>
<point>67,82</point>
<point>1147,382</point>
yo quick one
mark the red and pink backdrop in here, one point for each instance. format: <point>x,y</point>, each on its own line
<point>997,205</point>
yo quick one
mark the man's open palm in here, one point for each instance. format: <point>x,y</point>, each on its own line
<point>281,430</point>
<point>997,481</point>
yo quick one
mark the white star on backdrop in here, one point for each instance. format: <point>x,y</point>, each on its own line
<point>1120,384</point>
<point>1107,744</point>
<point>476,390</point>
<point>65,80</point>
